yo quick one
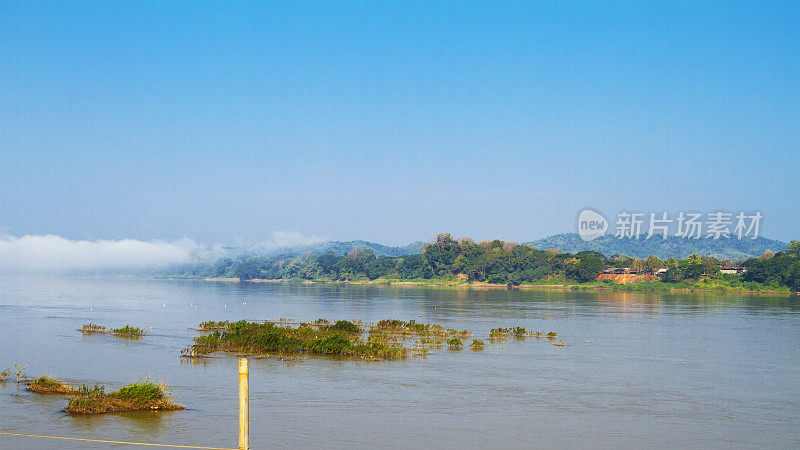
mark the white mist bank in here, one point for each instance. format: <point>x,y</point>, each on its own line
<point>55,254</point>
<point>51,253</point>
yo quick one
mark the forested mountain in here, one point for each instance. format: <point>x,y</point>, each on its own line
<point>337,247</point>
<point>341,248</point>
<point>508,263</point>
<point>672,247</point>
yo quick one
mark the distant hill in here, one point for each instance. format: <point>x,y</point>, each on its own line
<point>672,247</point>
<point>338,247</point>
<point>341,248</point>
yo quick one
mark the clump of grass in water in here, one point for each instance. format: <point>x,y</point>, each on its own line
<point>454,344</point>
<point>499,333</point>
<point>431,342</point>
<point>128,332</point>
<point>47,385</point>
<point>413,328</point>
<point>343,338</point>
<point>476,345</point>
<point>390,324</point>
<point>551,335</point>
<point>92,328</point>
<point>144,395</point>
<point>344,326</point>
<point>502,333</point>
<point>420,352</point>
<point>94,391</point>
<point>212,325</point>
<point>519,332</point>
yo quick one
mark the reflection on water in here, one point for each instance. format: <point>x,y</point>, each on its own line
<point>639,369</point>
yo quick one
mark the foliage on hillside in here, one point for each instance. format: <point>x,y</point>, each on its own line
<point>501,263</point>
<point>672,247</point>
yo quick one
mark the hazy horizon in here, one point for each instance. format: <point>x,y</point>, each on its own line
<point>56,254</point>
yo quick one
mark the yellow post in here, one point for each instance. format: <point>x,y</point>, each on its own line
<point>244,405</point>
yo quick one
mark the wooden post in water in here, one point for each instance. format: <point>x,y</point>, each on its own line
<point>244,405</point>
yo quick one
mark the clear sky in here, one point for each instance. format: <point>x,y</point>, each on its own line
<point>227,122</point>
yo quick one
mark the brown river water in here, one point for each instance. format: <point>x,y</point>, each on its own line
<point>638,369</point>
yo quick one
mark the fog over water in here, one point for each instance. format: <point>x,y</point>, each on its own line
<point>55,254</point>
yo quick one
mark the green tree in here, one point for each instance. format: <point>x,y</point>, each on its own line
<point>327,262</point>
<point>692,267</point>
<point>793,248</point>
<point>672,275</point>
<point>792,277</point>
<point>653,263</point>
<point>589,268</point>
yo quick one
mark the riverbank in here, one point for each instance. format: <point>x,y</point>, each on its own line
<point>647,286</point>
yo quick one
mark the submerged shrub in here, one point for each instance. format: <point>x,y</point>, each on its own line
<point>331,345</point>
<point>454,344</point>
<point>89,328</point>
<point>341,338</point>
<point>496,333</point>
<point>390,324</point>
<point>212,325</point>
<point>345,326</point>
<point>476,344</point>
<point>128,331</point>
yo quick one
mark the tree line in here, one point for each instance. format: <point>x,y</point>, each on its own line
<point>502,263</point>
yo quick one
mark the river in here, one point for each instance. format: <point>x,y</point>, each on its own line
<point>638,369</point>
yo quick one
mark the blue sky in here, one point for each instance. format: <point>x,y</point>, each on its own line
<point>227,122</point>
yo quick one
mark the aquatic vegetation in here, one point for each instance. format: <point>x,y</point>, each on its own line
<point>387,339</point>
<point>91,328</point>
<point>213,325</point>
<point>343,338</point>
<point>47,385</point>
<point>431,342</point>
<point>20,371</point>
<point>519,331</point>
<point>390,324</point>
<point>344,326</point>
<point>498,333</point>
<point>144,395</point>
<point>128,332</point>
<point>419,352</point>
<point>551,335</point>
<point>414,328</point>
<point>459,333</point>
<point>5,374</point>
<point>454,344</point>
<point>94,391</point>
